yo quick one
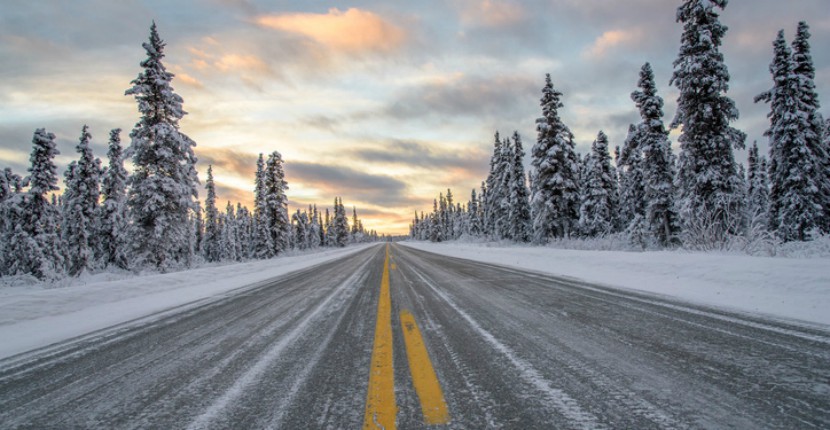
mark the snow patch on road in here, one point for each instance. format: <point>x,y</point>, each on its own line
<point>790,288</point>
<point>32,317</point>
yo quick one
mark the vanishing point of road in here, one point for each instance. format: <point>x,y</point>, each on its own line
<point>392,337</point>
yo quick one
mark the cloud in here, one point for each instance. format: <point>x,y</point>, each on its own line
<point>491,13</point>
<point>495,97</point>
<point>236,162</point>
<point>352,184</point>
<point>613,39</point>
<point>352,31</point>
<point>411,153</point>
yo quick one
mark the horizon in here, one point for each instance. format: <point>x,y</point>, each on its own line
<point>382,106</point>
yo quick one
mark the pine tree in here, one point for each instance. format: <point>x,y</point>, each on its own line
<point>473,209</point>
<point>163,184</point>
<point>80,207</point>
<point>276,204</point>
<point>795,202</point>
<point>658,177</point>
<point>709,203</point>
<point>229,248</point>
<point>262,239</point>
<point>758,188</point>
<point>519,208</point>
<point>488,199</point>
<point>812,122</point>
<point>199,229</point>
<point>245,232</point>
<point>632,185</point>
<point>10,183</point>
<point>340,224</point>
<point>554,201</point>
<point>211,241</point>
<point>35,245</point>
<point>595,217</point>
<point>113,210</point>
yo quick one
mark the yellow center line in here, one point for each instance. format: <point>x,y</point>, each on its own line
<point>380,399</point>
<point>426,383</point>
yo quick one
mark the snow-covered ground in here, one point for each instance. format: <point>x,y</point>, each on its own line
<point>787,288</point>
<point>36,316</point>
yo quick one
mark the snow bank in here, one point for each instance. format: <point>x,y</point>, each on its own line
<point>34,317</point>
<point>797,289</point>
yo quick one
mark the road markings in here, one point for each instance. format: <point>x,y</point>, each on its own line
<point>380,399</point>
<point>426,383</point>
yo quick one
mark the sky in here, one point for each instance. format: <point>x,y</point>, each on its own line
<point>384,104</point>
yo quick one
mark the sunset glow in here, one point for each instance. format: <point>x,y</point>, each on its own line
<point>383,103</point>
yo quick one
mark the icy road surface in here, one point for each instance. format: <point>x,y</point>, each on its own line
<point>449,342</point>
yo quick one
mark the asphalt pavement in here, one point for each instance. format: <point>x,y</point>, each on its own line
<point>450,344</point>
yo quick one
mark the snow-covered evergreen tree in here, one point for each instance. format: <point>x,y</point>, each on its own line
<point>300,221</point>
<point>658,177</point>
<point>758,188</point>
<point>276,204</point>
<point>245,231</point>
<point>211,242</point>
<point>34,244</point>
<point>230,248</point>
<point>811,119</point>
<point>163,184</point>
<point>474,211</point>
<point>340,224</point>
<point>795,202</point>
<point>112,214</point>
<point>198,229</point>
<point>710,207</point>
<point>262,239</point>
<point>596,211</point>
<point>554,202</point>
<point>80,206</point>
<point>491,184</point>
<point>632,186</point>
<point>519,203</point>
<point>315,228</point>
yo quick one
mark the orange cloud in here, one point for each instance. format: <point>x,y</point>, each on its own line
<point>491,13</point>
<point>611,39</point>
<point>232,62</point>
<point>352,31</point>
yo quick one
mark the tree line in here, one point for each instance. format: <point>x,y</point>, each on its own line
<point>700,198</point>
<point>150,218</point>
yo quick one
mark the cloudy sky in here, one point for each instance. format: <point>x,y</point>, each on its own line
<point>383,103</point>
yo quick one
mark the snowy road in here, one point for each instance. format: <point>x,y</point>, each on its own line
<point>507,349</point>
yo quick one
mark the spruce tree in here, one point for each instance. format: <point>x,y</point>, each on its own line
<point>163,184</point>
<point>519,208</point>
<point>474,215</point>
<point>658,177</point>
<point>340,224</point>
<point>632,186</point>
<point>811,119</point>
<point>80,207</point>
<point>554,202</point>
<point>795,207</point>
<point>758,188</point>
<point>211,248</point>
<point>596,211</point>
<point>709,203</point>
<point>276,204</point>
<point>230,246</point>
<point>489,199</point>
<point>113,210</point>
<point>35,245</point>
<point>262,239</point>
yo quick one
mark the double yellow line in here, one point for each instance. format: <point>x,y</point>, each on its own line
<point>381,407</point>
